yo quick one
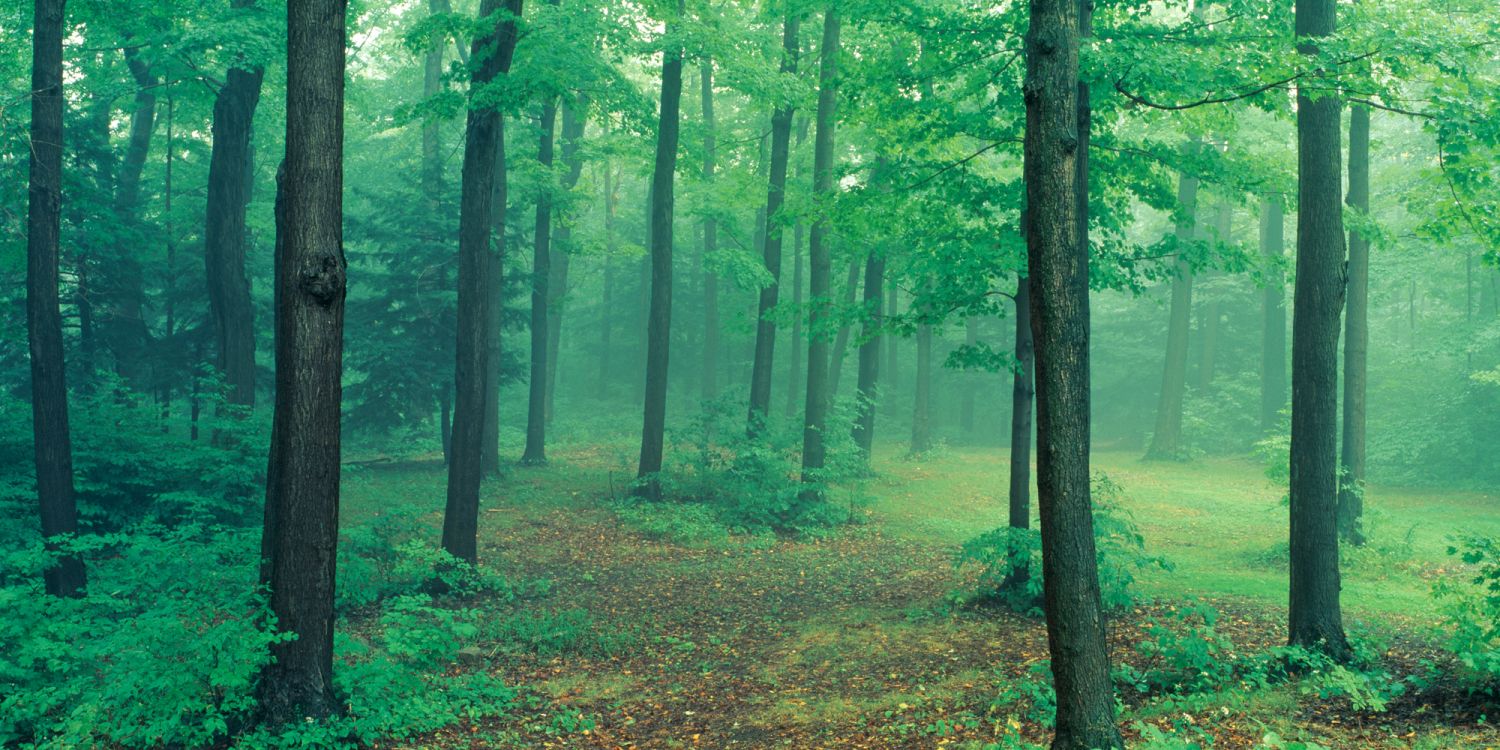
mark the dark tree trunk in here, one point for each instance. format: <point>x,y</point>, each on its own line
<point>1056,150</point>
<point>710,374</point>
<point>1273,331</point>
<point>1166,440</point>
<point>573,121</point>
<point>1315,619</point>
<point>841,340</point>
<point>921,412</point>
<point>1351,503</point>
<point>659,325</point>
<point>765,328</point>
<point>475,223</point>
<point>869,354</point>
<point>541,273</point>
<point>815,414</point>
<point>1021,392</point>
<point>225,239</point>
<point>49,389</point>
<point>302,486</point>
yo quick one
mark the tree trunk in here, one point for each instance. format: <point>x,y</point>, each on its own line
<point>607,311</point>
<point>541,272</point>
<point>225,240</point>
<point>710,372</point>
<point>1351,502</point>
<point>1056,149</point>
<point>1273,331</point>
<point>1166,440</point>
<point>795,376</point>
<point>1021,392</point>
<point>53,448</point>
<point>659,326</point>
<point>445,423</point>
<point>475,222</point>
<point>574,110</point>
<point>921,413</point>
<point>869,354</point>
<point>302,486</point>
<point>966,408</point>
<point>815,409</point>
<point>841,340</point>
<point>1315,620</point>
<point>1213,307</point>
<point>493,284</point>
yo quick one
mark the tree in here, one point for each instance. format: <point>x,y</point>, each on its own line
<point>1356,338</point>
<point>490,59</point>
<point>815,410</point>
<point>866,392</point>
<point>224,238</point>
<point>53,447</point>
<point>1023,388</point>
<point>921,417</point>
<point>1056,177</point>
<point>541,272</point>
<point>710,374</point>
<point>574,120</point>
<point>659,315</point>
<point>1273,331</point>
<point>302,485</point>
<point>1315,620</point>
<point>1166,439</point>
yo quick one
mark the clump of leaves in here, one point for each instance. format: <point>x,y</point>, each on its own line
<point>1471,607</point>
<point>1182,653</point>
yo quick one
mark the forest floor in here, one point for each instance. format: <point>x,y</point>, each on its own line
<point>664,640</point>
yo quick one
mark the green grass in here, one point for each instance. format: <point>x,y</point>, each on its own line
<point>1219,520</point>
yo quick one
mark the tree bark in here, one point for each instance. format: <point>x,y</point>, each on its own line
<point>224,236</point>
<point>302,488</point>
<point>815,409</point>
<point>475,223</point>
<point>765,328</point>
<point>1273,327</point>
<point>867,393</point>
<point>53,448</point>
<point>659,325</point>
<point>1166,440</point>
<point>1351,503</point>
<point>541,272</point>
<point>1056,149</point>
<point>1315,619</point>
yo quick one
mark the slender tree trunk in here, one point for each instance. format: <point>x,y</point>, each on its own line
<point>1351,502</point>
<point>445,423</point>
<point>541,271</point>
<point>302,487</point>
<point>815,414</point>
<point>659,328</point>
<point>921,416</point>
<point>841,340</point>
<point>1273,332</point>
<point>1213,308</point>
<point>892,362</point>
<point>607,310</point>
<point>225,240</point>
<point>475,223</point>
<point>966,408</point>
<point>795,376</point>
<point>1166,440</point>
<point>1056,150</point>
<point>1315,619</point>
<point>164,380</point>
<point>868,393</point>
<point>710,374</point>
<point>49,390</point>
<point>765,328</point>
<point>1021,392</point>
<point>493,284</point>
<point>574,109</point>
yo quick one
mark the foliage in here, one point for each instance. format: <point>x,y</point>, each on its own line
<point>1182,653</point>
<point>1030,697</point>
<point>1470,604</point>
<point>393,554</point>
<point>1009,561</point>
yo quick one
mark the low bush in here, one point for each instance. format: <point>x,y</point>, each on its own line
<point>1470,603</point>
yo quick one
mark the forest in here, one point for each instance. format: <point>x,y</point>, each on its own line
<point>988,375</point>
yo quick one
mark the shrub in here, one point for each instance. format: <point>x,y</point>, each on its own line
<point>1471,607</point>
<point>1182,653</point>
<point>393,555</point>
<point>1010,564</point>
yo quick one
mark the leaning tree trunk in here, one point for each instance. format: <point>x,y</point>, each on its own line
<point>224,237</point>
<point>541,272</point>
<point>302,486</point>
<point>659,318</point>
<point>1351,502</point>
<point>765,328</point>
<point>815,409</point>
<point>1273,331</point>
<point>1056,151</point>
<point>475,222</point>
<point>869,354</point>
<point>1166,440</point>
<point>53,448</point>
<point>1315,619</point>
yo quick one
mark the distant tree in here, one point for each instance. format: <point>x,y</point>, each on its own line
<point>1273,327</point>
<point>710,373</point>
<point>1022,391</point>
<point>490,58</point>
<point>302,485</point>
<point>224,238</point>
<point>574,121</point>
<point>1351,503</point>
<point>659,317</point>
<point>53,446</point>
<point>541,271</point>
<point>815,411</point>
<point>1316,620</point>
<point>866,393</point>
<point>1166,439</point>
<point>921,416</point>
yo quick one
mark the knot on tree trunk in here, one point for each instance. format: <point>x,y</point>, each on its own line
<point>324,280</point>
